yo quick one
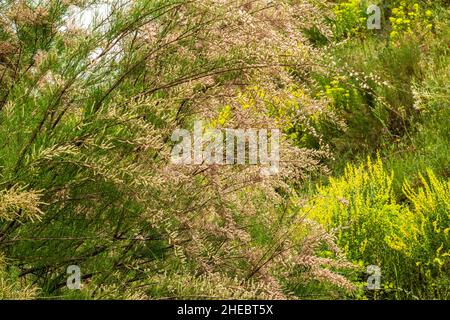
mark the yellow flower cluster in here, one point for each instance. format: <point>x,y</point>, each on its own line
<point>339,95</point>
<point>376,227</point>
<point>408,18</point>
<point>222,118</point>
<point>350,18</point>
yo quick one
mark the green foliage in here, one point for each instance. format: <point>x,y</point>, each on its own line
<point>350,19</point>
<point>376,90</point>
<point>408,17</point>
<point>86,118</point>
<point>11,288</point>
<point>408,241</point>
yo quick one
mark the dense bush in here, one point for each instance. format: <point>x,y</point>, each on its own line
<point>86,117</point>
<point>409,241</point>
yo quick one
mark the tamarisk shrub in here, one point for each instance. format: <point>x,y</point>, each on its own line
<point>86,115</point>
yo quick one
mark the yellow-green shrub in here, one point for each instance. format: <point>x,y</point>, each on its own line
<point>11,287</point>
<point>337,93</point>
<point>410,243</point>
<point>431,205</point>
<point>350,18</point>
